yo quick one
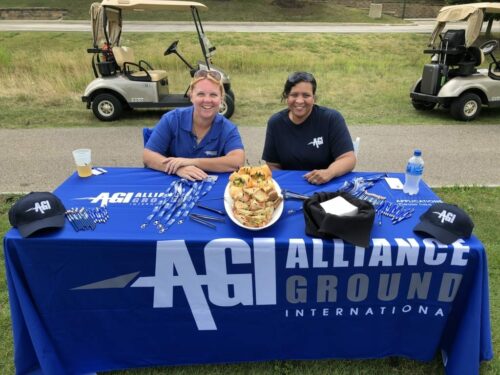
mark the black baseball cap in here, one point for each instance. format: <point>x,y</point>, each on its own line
<point>35,211</point>
<point>445,222</point>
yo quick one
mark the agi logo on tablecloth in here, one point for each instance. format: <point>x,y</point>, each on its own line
<point>372,287</point>
<point>172,255</point>
<point>384,294</point>
<point>146,198</point>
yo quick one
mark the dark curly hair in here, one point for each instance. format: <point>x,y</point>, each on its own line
<point>295,78</point>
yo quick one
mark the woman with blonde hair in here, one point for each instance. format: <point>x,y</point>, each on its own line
<point>194,140</point>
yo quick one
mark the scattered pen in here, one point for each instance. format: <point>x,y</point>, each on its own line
<point>220,212</point>
<point>194,218</point>
<point>209,218</point>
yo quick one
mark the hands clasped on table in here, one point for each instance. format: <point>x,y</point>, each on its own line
<point>184,168</point>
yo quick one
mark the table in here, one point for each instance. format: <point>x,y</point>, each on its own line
<point>122,297</point>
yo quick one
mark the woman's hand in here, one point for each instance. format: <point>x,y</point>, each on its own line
<point>342,165</point>
<point>173,164</point>
<point>191,173</point>
<point>318,176</point>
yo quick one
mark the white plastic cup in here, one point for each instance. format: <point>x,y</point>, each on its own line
<point>83,162</point>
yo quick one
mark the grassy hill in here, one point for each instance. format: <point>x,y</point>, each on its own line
<point>225,10</point>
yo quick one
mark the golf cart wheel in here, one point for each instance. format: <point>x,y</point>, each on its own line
<point>227,106</point>
<point>423,106</point>
<point>466,107</point>
<point>230,93</point>
<point>107,107</point>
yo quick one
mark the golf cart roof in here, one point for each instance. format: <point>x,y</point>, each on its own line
<point>106,16</point>
<point>152,4</point>
<point>472,13</point>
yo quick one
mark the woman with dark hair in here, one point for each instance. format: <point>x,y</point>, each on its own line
<point>306,136</point>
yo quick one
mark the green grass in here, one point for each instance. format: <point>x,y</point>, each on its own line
<point>7,352</point>
<point>366,77</point>
<point>219,10</point>
<point>483,205</point>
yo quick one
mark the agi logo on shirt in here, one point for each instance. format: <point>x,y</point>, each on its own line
<point>316,142</point>
<point>211,153</point>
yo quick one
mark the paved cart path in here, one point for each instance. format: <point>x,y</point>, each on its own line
<point>40,159</point>
<point>412,26</point>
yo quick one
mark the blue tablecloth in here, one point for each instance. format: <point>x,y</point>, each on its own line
<point>121,296</point>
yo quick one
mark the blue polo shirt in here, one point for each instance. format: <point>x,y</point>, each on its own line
<point>173,136</point>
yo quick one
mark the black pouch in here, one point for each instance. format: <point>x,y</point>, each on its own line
<point>354,229</point>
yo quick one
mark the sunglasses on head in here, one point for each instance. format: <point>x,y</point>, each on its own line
<point>203,73</point>
<point>300,77</point>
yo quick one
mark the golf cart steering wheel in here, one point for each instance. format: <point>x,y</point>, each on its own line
<point>489,46</point>
<point>171,49</point>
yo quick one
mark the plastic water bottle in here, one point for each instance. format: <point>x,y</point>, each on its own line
<point>414,171</point>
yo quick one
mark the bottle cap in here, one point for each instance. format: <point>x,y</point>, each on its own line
<point>417,152</point>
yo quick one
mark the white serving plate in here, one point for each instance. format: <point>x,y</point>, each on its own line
<point>228,204</point>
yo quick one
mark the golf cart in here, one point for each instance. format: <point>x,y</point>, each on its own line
<point>452,79</point>
<point>123,82</point>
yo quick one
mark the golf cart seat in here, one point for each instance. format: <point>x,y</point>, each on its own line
<point>476,55</point>
<point>141,71</point>
<point>453,46</point>
<point>465,59</point>
<point>470,59</point>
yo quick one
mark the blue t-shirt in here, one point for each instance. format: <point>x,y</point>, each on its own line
<point>314,144</point>
<point>173,136</point>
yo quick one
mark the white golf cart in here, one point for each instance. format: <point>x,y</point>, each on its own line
<point>123,82</point>
<point>452,79</point>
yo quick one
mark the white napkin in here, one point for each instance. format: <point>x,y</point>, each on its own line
<point>394,183</point>
<point>339,206</point>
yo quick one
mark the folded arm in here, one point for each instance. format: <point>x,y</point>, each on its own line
<point>227,163</point>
